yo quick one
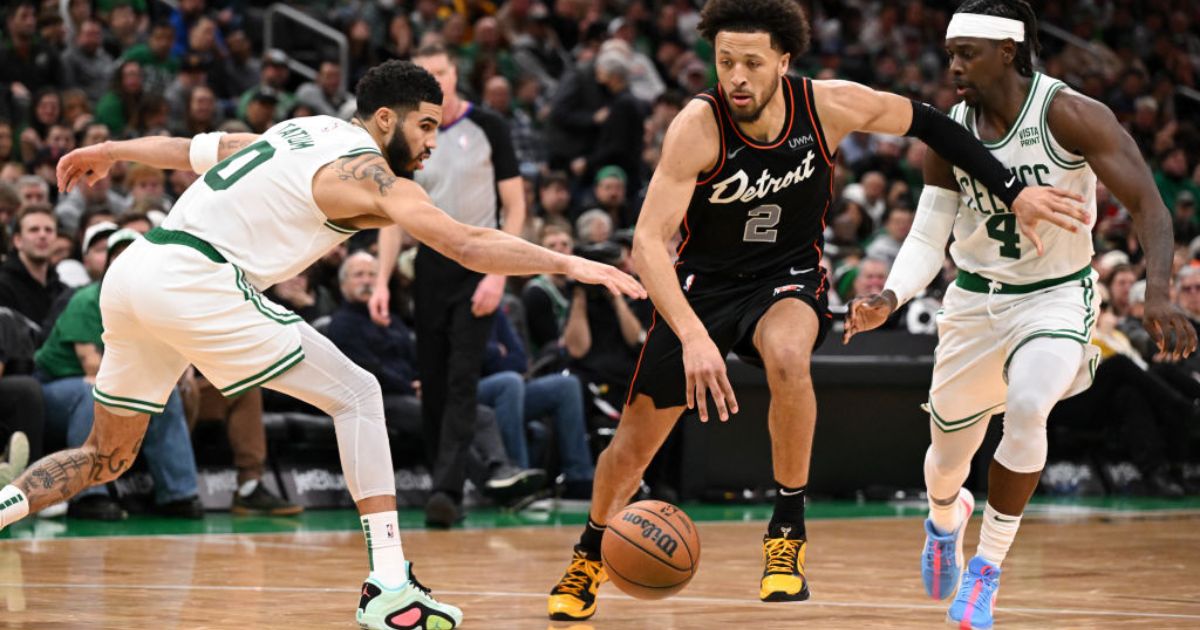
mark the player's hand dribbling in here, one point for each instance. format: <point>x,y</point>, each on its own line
<point>869,312</point>
<point>1040,203</point>
<point>378,305</point>
<point>704,369</point>
<point>90,164</point>
<point>1173,333</point>
<point>617,281</point>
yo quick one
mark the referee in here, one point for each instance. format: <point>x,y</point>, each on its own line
<point>473,175</point>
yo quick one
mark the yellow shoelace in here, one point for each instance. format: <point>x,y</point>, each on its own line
<point>581,572</point>
<point>781,555</point>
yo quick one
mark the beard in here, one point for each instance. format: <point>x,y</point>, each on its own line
<point>753,115</point>
<point>399,157</point>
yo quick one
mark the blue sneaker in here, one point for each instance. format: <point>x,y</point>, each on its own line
<point>942,557</point>
<point>974,607</point>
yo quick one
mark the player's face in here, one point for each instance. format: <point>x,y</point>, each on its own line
<point>749,70</point>
<point>973,62</point>
<point>414,139</point>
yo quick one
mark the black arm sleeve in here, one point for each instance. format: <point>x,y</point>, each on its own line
<point>953,142</point>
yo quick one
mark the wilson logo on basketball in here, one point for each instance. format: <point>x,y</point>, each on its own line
<point>653,533</point>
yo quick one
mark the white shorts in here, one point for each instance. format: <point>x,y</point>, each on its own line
<point>167,305</point>
<point>970,373</point>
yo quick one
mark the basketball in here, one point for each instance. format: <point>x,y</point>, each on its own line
<point>651,550</point>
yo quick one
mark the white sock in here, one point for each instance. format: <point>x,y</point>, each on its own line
<point>947,517</point>
<point>382,530</point>
<point>247,488</point>
<point>996,535</point>
<point>14,506</point>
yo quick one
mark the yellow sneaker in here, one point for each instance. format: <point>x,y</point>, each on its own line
<point>783,577</point>
<point>574,597</point>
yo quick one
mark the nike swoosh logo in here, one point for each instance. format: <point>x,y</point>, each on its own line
<point>790,494</point>
<point>1005,520</point>
<point>732,154</point>
<point>795,272</point>
<point>1010,182</point>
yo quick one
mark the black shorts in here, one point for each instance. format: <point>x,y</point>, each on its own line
<point>729,307</point>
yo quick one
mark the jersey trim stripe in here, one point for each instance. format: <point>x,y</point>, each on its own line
<point>1063,162</point>
<point>275,369</point>
<point>132,404</point>
<point>360,151</point>
<point>1012,130</point>
<point>818,131</point>
<point>716,111</point>
<point>787,131</point>
<point>641,355</point>
<point>340,229</point>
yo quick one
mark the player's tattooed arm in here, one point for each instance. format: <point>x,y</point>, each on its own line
<point>367,167</point>
<point>233,142</point>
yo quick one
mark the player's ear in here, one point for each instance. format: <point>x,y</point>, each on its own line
<point>1008,51</point>
<point>385,119</point>
<point>785,61</point>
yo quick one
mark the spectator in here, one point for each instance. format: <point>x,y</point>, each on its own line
<point>192,75</point>
<point>642,76</point>
<point>621,129</point>
<point>242,69</point>
<point>1119,283</point>
<point>67,365</point>
<point>518,401</point>
<point>27,64</point>
<point>124,29</point>
<point>28,283</point>
<point>553,202</point>
<point>326,96</point>
<point>610,193</point>
<point>120,105</point>
<point>594,226</point>
<point>203,115</point>
<point>526,141</point>
<point>869,193</point>
<point>387,353</point>
<point>47,112</point>
<point>147,188</point>
<point>33,190</point>
<point>260,109</point>
<point>88,198</point>
<point>896,225</point>
<point>576,111</point>
<point>77,109</point>
<point>1172,177</point>
<point>87,65</point>
<point>243,418</point>
<point>95,249</point>
<point>155,58</point>
<point>310,302</point>
<point>545,297</point>
<point>273,78</point>
<point>21,406</point>
<point>6,141</point>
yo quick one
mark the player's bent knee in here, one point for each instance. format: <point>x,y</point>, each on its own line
<point>789,364</point>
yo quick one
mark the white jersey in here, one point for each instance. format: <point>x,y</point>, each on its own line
<point>987,240</point>
<point>256,207</point>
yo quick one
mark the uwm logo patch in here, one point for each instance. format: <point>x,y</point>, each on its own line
<point>788,288</point>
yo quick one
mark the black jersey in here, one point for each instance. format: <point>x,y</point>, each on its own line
<point>762,208</point>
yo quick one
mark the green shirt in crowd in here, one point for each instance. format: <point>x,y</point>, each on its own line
<point>80,322</point>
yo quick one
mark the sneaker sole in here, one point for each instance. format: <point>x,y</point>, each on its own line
<point>783,596</point>
<point>562,616</point>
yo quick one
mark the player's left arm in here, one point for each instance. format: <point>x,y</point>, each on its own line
<point>92,163</point>
<point>845,107</point>
<point>1088,128</point>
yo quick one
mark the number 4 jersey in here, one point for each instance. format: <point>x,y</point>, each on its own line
<point>762,208</point>
<point>256,207</point>
<point>987,240</point>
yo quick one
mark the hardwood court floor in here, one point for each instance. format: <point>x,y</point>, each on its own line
<point>1113,572</point>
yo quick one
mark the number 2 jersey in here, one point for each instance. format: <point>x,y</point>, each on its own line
<point>256,207</point>
<point>987,240</point>
<point>762,208</point>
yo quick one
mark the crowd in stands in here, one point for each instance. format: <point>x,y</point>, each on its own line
<point>587,88</point>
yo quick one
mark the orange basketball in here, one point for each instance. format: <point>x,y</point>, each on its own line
<point>651,550</point>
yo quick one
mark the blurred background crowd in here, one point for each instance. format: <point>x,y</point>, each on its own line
<point>587,89</point>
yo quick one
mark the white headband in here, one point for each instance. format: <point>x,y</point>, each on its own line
<point>986,27</point>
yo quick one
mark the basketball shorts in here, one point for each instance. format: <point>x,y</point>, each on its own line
<point>171,299</point>
<point>730,308</point>
<point>979,332</point>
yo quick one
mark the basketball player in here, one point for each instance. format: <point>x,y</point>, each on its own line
<point>747,170</point>
<point>191,292</point>
<point>1015,328</point>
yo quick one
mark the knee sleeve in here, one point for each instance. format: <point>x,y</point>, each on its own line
<point>1040,373</point>
<point>1023,447</point>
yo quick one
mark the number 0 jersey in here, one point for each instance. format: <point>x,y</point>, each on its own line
<point>762,208</point>
<point>256,207</point>
<point>987,240</point>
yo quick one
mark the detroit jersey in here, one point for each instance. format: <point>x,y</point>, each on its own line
<point>762,208</point>
<point>987,240</point>
<point>256,206</point>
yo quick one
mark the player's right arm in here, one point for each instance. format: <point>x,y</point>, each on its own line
<point>365,192</point>
<point>689,148</point>
<point>921,255</point>
<point>93,163</point>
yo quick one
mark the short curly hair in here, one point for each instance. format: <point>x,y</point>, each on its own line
<point>401,85</point>
<point>783,20</point>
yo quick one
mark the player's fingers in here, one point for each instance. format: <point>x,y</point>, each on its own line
<point>1067,194</point>
<point>1063,222</point>
<point>718,396</point>
<point>689,388</point>
<point>1072,210</point>
<point>1156,334</point>
<point>1034,238</point>
<point>727,389</point>
<point>701,399</point>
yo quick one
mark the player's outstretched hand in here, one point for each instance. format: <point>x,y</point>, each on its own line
<point>868,312</point>
<point>90,164</point>
<point>704,369</point>
<point>617,281</point>
<point>379,304</point>
<point>1172,331</point>
<point>1040,203</point>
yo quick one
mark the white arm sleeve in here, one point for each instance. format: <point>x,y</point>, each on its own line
<point>921,255</point>
<point>204,151</point>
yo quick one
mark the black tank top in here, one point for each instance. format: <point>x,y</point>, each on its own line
<point>762,208</point>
